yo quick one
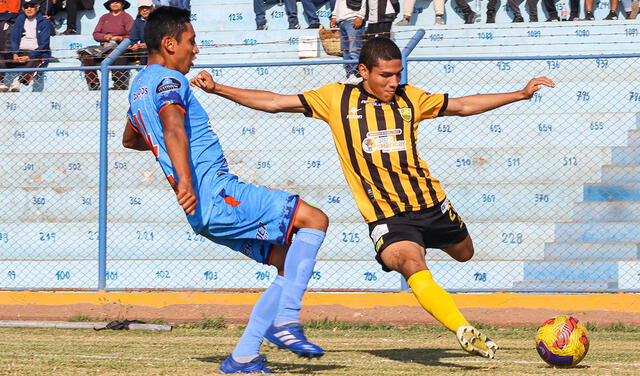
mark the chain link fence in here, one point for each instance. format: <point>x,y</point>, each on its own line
<point>547,187</point>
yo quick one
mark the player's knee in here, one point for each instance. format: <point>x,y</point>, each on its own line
<point>465,254</point>
<point>310,217</point>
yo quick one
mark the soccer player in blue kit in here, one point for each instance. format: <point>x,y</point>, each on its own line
<point>166,118</point>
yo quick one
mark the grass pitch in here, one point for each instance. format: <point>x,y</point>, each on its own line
<point>352,349</point>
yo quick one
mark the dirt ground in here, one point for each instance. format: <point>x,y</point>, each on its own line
<point>238,314</point>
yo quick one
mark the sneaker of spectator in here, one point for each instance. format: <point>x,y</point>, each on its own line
<point>15,86</point>
<point>314,26</point>
<point>294,26</point>
<point>611,16</point>
<point>553,19</point>
<point>491,18</point>
<point>403,22</point>
<point>589,16</point>
<point>533,18</point>
<point>518,19</point>
<point>439,19</point>
<point>262,27</point>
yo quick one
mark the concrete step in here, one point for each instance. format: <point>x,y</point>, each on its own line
<point>629,173</point>
<point>607,211</point>
<point>592,251</point>
<point>612,192</point>
<point>597,232</point>
<point>577,271</point>
<point>633,135</point>
<point>555,286</point>
<point>625,155</point>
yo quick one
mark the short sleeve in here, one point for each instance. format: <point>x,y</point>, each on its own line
<point>432,105</point>
<point>172,89</point>
<point>318,102</point>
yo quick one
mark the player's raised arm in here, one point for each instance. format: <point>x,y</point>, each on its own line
<point>256,99</point>
<point>477,104</point>
<point>177,142</point>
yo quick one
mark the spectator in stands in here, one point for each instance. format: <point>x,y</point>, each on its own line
<point>260,7</point>
<point>72,7</point>
<point>517,16</point>
<point>138,46</point>
<point>613,10</point>
<point>8,12</point>
<point>380,15</point>
<point>632,7</point>
<point>574,5</point>
<point>112,29</point>
<point>29,44</point>
<point>310,8</point>
<point>184,4</point>
<point>408,10</point>
<point>47,8</point>
<point>349,16</point>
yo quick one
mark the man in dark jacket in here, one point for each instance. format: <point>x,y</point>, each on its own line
<point>29,43</point>
<point>380,15</point>
<point>72,14</point>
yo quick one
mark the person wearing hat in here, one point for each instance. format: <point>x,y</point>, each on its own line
<point>138,46</point>
<point>112,29</point>
<point>29,44</point>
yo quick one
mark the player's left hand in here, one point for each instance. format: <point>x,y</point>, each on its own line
<point>187,197</point>
<point>204,81</point>
<point>535,85</point>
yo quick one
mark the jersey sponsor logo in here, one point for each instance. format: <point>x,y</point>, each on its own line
<point>167,84</point>
<point>353,113</point>
<point>262,232</point>
<point>379,231</point>
<point>384,141</point>
<point>140,93</point>
<point>376,104</point>
<point>444,206</point>
<point>405,113</point>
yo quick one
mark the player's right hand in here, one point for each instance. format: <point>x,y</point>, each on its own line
<point>204,81</point>
<point>187,197</point>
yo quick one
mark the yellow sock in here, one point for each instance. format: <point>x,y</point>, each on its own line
<point>435,300</point>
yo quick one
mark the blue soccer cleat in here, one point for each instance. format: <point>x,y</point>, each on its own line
<point>255,366</point>
<point>291,337</point>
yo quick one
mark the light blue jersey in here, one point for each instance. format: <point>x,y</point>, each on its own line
<point>153,89</point>
<point>245,217</point>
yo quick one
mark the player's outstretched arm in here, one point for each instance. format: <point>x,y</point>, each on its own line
<point>177,142</point>
<point>256,99</point>
<point>133,140</point>
<point>477,104</point>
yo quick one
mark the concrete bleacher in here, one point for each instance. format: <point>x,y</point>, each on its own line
<point>524,177</point>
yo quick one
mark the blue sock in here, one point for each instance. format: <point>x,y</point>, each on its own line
<point>260,320</point>
<point>298,268</point>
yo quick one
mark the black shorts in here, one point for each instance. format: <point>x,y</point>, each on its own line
<point>436,227</point>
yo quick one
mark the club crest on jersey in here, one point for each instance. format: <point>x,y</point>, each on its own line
<point>405,113</point>
<point>167,84</point>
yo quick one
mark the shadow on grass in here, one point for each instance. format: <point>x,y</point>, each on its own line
<point>427,357</point>
<point>302,369</point>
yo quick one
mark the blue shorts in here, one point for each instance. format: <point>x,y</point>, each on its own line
<point>251,219</point>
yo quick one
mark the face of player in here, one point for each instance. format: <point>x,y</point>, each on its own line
<point>383,79</point>
<point>186,50</point>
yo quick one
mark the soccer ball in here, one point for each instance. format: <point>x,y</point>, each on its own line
<point>562,341</point>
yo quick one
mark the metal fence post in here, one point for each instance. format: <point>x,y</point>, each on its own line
<point>417,37</point>
<point>104,134</point>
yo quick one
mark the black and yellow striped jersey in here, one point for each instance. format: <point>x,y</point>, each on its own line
<point>377,145</point>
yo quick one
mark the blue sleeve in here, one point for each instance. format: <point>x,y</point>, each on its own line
<point>173,88</point>
<point>44,36</point>
<point>16,34</point>
<point>136,35</point>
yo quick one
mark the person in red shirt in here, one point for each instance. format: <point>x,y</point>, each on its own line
<point>112,29</point>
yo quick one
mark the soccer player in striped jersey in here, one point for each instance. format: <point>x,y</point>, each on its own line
<point>166,118</point>
<point>374,126</point>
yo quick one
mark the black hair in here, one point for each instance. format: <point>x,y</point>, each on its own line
<point>165,21</point>
<point>378,48</point>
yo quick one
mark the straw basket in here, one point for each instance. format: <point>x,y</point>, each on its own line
<point>330,39</point>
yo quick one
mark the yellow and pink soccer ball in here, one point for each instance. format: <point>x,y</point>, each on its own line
<point>562,341</point>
